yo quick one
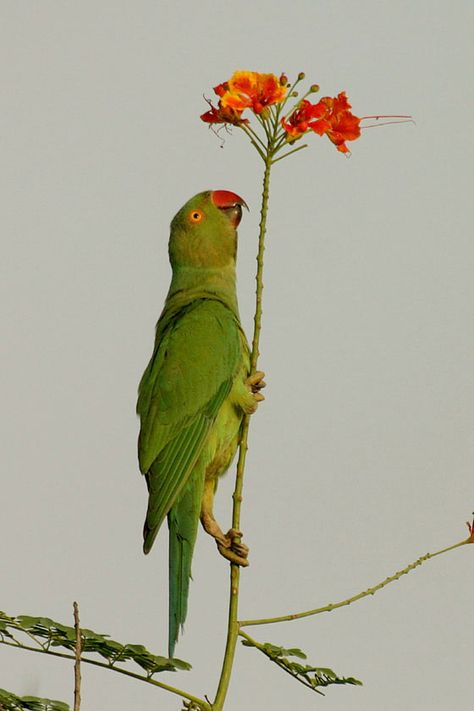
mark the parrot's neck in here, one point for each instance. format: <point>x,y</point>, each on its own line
<point>190,283</point>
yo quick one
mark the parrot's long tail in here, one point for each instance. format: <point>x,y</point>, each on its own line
<point>183,522</point>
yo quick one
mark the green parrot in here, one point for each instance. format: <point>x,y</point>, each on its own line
<point>195,391</point>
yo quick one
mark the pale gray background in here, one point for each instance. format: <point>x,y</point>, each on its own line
<point>361,459</point>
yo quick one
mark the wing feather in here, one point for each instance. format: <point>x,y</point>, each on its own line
<point>190,374</point>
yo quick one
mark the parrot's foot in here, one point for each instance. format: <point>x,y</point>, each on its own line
<point>232,548</point>
<point>255,383</point>
<point>228,544</point>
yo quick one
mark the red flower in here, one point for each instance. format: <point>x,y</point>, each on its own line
<point>343,125</point>
<point>329,116</point>
<point>302,119</point>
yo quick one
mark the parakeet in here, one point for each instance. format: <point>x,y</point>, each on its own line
<point>195,391</point>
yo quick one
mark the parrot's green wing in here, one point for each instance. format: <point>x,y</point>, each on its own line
<point>196,357</point>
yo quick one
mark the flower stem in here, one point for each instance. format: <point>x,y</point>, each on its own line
<point>249,130</point>
<point>233,624</point>
<point>305,145</point>
<point>354,598</point>
<point>253,139</point>
<point>260,255</point>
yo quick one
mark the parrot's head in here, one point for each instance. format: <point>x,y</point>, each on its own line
<point>204,231</point>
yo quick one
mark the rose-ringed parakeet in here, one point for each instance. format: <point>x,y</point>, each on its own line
<point>195,391</point>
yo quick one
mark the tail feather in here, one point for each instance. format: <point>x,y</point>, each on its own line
<point>183,522</point>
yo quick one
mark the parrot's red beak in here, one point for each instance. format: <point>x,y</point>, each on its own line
<point>230,203</point>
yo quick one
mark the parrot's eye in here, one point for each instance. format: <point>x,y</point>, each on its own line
<point>195,216</point>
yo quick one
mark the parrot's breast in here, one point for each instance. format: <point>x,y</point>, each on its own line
<point>224,436</point>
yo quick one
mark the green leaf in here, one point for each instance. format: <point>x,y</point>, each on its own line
<point>56,634</point>
<point>310,676</point>
<point>12,702</point>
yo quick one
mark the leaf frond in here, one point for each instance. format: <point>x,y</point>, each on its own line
<point>50,634</point>
<point>310,676</point>
<point>12,702</point>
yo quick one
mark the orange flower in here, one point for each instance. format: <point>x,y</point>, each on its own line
<point>330,116</point>
<point>302,120</point>
<point>343,125</point>
<point>251,90</point>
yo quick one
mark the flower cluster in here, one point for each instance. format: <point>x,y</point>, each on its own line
<point>266,96</point>
<point>244,90</point>
<point>330,116</point>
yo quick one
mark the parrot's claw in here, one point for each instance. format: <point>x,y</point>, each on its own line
<point>229,545</point>
<point>233,549</point>
<point>255,383</point>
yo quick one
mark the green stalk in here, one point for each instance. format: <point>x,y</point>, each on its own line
<point>233,624</point>
<point>370,591</point>
<point>295,150</point>
<point>253,140</point>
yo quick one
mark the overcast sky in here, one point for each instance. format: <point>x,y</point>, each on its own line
<point>361,458</point>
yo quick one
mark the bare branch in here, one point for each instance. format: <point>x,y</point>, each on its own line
<point>77,663</point>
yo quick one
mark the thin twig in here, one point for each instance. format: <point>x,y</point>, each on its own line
<point>295,150</point>
<point>77,663</point>
<point>354,598</point>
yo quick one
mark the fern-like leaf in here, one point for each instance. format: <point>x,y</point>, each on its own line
<point>12,702</point>
<point>48,634</point>
<point>310,676</point>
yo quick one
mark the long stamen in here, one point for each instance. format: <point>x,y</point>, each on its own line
<point>399,118</point>
<point>379,116</point>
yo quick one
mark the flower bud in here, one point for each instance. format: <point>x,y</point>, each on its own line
<point>301,76</point>
<point>314,88</point>
<point>294,93</point>
<point>283,80</point>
